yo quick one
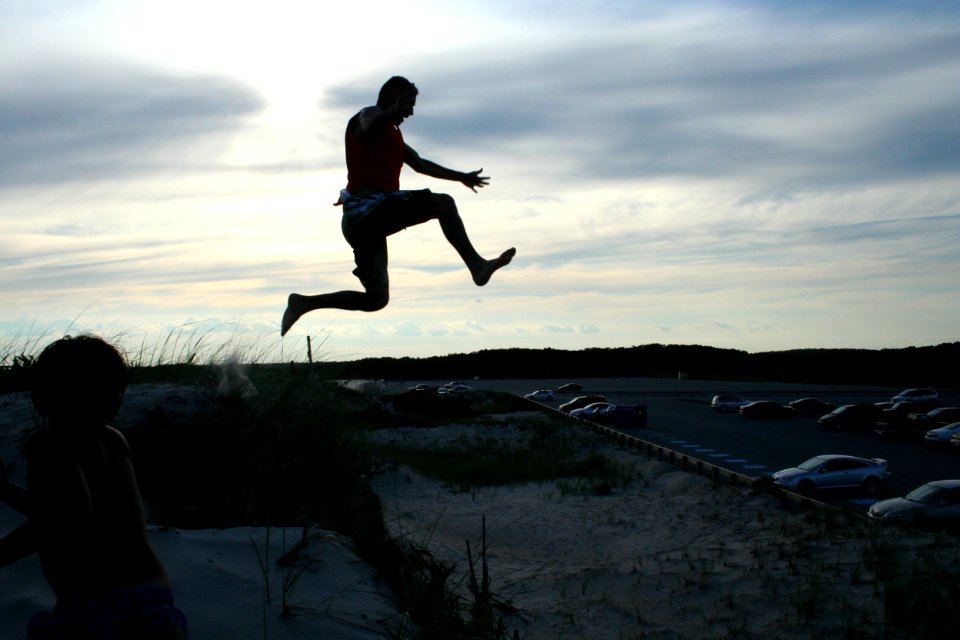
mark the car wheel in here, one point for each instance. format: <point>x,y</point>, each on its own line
<point>871,484</point>
<point>806,487</point>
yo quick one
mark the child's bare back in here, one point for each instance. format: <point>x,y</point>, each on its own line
<point>87,502</point>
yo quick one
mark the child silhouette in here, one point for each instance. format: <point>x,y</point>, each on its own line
<point>84,513</point>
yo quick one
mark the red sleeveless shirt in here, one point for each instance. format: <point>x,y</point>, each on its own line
<point>374,160</point>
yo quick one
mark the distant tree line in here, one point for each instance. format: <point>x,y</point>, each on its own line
<point>911,366</point>
<point>937,366</point>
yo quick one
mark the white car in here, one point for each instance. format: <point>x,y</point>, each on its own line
<point>937,501</point>
<point>727,402</point>
<point>916,395</point>
<point>540,395</point>
<point>942,435</point>
<point>453,389</point>
<point>834,472</point>
<point>590,410</point>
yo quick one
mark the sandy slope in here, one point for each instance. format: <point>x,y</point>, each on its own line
<point>666,556</point>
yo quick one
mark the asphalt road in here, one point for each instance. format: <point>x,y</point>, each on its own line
<point>680,418</point>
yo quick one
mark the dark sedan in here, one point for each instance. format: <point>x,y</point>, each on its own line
<point>851,417</point>
<point>765,410</point>
<point>939,417</point>
<point>811,407</point>
<point>897,422</point>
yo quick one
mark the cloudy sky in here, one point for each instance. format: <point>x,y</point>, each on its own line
<point>757,175</point>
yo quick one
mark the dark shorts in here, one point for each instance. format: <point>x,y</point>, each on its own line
<point>135,613</point>
<point>367,233</point>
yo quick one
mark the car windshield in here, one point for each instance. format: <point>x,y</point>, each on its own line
<point>845,407</point>
<point>927,494</point>
<point>812,463</point>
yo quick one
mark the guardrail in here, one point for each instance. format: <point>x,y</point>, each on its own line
<point>686,462</point>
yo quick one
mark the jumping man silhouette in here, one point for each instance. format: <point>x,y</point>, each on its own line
<point>374,207</point>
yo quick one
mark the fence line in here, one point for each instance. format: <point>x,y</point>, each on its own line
<point>686,462</point>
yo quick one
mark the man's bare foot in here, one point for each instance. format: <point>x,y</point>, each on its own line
<point>481,275</point>
<point>292,313</point>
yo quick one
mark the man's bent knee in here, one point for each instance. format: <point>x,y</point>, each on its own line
<point>443,204</point>
<point>376,298</point>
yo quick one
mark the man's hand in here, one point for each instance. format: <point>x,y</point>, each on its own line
<point>473,180</point>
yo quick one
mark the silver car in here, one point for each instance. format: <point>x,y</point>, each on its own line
<point>942,435</point>
<point>937,501</point>
<point>591,410</point>
<point>916,395</point>
<point>834,472</point>
<point>540,395</point>
<point>727,402</point>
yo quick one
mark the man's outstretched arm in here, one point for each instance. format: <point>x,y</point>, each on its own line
<point>472,179</point>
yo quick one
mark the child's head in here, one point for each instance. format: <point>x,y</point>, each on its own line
<point>79,379</point>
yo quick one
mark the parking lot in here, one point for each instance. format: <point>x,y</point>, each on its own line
<point>680,418</point>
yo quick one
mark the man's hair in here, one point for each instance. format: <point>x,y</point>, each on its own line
<point>392,88</point>
<point>80,378</point>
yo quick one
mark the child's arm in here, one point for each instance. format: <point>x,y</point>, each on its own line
<point>18,544</point>
<point>14,495</point>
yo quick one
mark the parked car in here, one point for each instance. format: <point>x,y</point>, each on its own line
<point>423,387</point>
<point>570,387</point>
<point>934,502</point>
<point>851,417</point>
<point>453,384</point>
<point>591,410</point>
<point>925,394</point>
<point>727,402</point>
<point>540,395</point>
<point>896,422</point>
<point>942,435</point>
<point>955,441</point>
<point>453,389</point>
<point>579,402</point>
<point>939,417</point>
<point>765,410</point>
<point>811,407</point>
<point>833,472</point>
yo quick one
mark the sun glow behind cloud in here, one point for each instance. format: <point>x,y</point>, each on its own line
<point>747,175</point>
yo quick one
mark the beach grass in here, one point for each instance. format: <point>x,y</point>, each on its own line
<point>546,450</point>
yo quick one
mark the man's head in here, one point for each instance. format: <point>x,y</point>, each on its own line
<point>80,379</point>
<point>398,89</point>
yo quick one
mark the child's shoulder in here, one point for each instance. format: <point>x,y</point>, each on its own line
<point>50,440</point>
